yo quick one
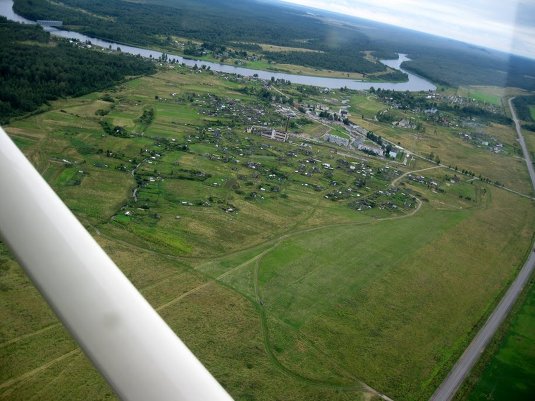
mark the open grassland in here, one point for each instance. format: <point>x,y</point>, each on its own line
<point>371,297</point>
<point>274,48</point>
<point>315,130</point>
<point>263,64</point>
<point>365,106</point>
<point>291,271</point>
<point>509,373</point>
<point>487,94</point>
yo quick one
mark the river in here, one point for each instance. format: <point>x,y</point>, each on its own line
<point>414,83</point>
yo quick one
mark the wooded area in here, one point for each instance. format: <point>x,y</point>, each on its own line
<point>245,23</point>
<point>35,68</point>
<point>522,104</point>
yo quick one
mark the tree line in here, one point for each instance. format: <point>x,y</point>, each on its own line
<point>36,68</point>
<point>217,22</point>
<point>522,106</point>
<point>245,23</point>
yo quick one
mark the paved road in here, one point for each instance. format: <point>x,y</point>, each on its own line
<point>522,143</point>
<point>471,355</point>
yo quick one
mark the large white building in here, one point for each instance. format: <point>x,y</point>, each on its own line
<point>336,139</point>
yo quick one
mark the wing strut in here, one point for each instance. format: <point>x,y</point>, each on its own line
<point>128,342</point>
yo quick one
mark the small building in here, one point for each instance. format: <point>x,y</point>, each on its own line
<point>404,123</point>
<point>359,129</point>
<point>269,133</point>
<point>376,150</point>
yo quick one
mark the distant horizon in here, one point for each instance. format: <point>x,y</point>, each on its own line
<point>492,24</point>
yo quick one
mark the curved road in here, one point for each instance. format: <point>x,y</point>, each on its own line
<point>468,359</point>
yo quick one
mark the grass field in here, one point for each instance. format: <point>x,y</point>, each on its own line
<point>263,64</point>
<point>486,94</point>
<point>339,132</point>
<point>365,105</point>
<point>341,305</point>
<point>288,279</point>
<point>274,48</point>
<point>509,374</point>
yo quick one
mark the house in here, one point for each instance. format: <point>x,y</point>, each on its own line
<point>338,140</point>
<point>370,149</point>
<point>268,133</point>
<point>359,129</point>
<point>404,123</point>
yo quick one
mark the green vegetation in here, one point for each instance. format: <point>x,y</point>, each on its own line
<point>524,106</point>
<point>483,94</point>
<point>506,370</point>
<point>346,62</point>
<point>304,271</point>
<point>471,67</point>
<point>325,303</point>
<point>217,24</point>
<point>339,132</point>
<point>239,28</point>
<point>36,69</point>
<point>463,134</point>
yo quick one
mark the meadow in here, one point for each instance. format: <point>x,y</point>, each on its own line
<point>288,279</point>
<point>485,94</point>
<point>509,369</point>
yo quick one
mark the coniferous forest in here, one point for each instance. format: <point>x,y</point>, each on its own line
<point>36,68</point>
<point>341,41</point>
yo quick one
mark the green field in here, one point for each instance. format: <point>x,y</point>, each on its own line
<point>509,374</point>
<point>532,112</point>
<point>486,94</point>
<point>365,105</point>
<point>289,279</point>
<point>339,132</point>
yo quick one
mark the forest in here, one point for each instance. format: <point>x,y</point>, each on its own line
<point>246,23</point>
<point>522,105</point>
<point>211,22</point>
<point>243,23</point>
<point>328,60</point>
<point>35,69</point>
<point>468,69</point>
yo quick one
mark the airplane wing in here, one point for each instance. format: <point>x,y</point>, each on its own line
<point>125,338</point>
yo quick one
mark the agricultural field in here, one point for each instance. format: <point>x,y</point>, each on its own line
<point>485,94</point>
<point>294,270</point>
<point>508,375</point>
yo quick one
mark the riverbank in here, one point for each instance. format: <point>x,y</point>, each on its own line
<point>413,84</point>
